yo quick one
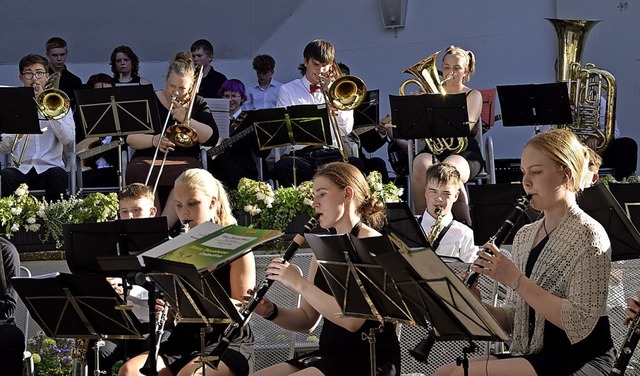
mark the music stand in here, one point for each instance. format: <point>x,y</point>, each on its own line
<point>18,111</point>
<point>535,104</point>
<point>491,204</point>
<point>628,197</point>
<point>402,223</point>
<point>430,116</point>
<point>74,306</point>
<point>306,124</point>
<point>368,112</point>
<point>110,248</point>
<point>117,112</point>
<point>358,283</point>
<point>599,203</point>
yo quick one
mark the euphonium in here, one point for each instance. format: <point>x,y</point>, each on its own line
<point>52,103</point>
<point>427,78</point>
<point>587,84</point>
<point>344,93</point>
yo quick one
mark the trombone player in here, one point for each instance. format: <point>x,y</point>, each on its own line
<point>38,160</point>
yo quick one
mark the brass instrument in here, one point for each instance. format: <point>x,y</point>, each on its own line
<point>52,103</point>
<point>180,134</point>
<point>344,93</point>
<point>587,84</point>
<point>426,77</point>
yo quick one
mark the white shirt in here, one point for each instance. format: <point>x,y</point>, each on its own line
<point>259,98</point>
<point>44,150</point>
<point>297,92</point>
<point>456,242</point>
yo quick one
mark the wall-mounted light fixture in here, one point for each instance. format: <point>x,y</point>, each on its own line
<point>393,13</point>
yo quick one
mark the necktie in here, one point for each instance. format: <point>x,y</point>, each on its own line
<point>313,88</point>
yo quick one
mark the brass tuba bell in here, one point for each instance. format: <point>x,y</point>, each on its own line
<point>427,78</point>
<point>587,84</point>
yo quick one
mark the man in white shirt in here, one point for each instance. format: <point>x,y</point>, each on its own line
<point>42,165</point>
<point>452,238</point>
<point>319,56</point>
<point>264,93</point>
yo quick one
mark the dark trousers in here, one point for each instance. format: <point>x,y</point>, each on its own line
<point>283,170</point>
<point>622,156</point>
<point>54,181</point>
<point>11,349</point>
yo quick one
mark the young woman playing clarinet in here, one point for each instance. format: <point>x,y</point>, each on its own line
<point>556,307</point>
<point>343,201</point>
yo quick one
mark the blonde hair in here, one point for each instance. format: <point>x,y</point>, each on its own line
<point>182,65</point>
<point>201,180</point>
<point>136,191</point>
<point>467,56</point>
<point>564,148</point>
<point>369,208</point>
<point>443,174</point>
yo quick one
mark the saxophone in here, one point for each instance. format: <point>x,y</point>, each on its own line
<point>435,228</point>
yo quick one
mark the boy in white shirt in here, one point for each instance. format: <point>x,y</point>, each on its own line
<point>452,238</point>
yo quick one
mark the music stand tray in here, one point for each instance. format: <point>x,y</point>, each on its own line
<point>118,111</point>
<point>535,104</point>
<point>75,306</point>
<point>599,203</point>
<point>430,116</point>
<point>306,124</point>
<point>18,111</point>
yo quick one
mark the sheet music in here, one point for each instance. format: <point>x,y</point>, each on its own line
<point>220,111</point>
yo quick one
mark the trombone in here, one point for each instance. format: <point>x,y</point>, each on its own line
<point>344,93</point>
<point>180,134</point>
<point>52,103</point>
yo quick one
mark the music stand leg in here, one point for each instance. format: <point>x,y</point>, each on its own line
<point>203,358</point>
<point>464,359</point>
<point>371,337</point>
<point>96,354</point>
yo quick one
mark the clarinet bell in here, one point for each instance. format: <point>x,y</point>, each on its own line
<point>422,349</point>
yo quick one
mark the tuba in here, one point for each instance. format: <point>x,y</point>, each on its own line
<point>587,84</point>
<point>428,80</point>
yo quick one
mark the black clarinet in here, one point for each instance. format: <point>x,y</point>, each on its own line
<point>259,292</point>
<point>503,232</point>
<point>628,347</point>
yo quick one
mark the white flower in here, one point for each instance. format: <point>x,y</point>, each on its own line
<point>248,208</point>
<point>15,227</point>
<point>308,202</point>
<point>31,220</point>
<point>260,196</point>
<point>16,210</point>
<point>269,201</point>
<point>22,190</point>
<point>41,213</point>
<point>33,227</point>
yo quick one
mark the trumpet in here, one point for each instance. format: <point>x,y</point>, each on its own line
<point>344,93</point>
<point>52,103</point>
<point>181,134</point>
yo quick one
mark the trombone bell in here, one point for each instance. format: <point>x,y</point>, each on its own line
<point>182,135</point>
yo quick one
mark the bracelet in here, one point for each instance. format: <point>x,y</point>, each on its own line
<point>273,314</point>
<point>153,138</point>
<point>516,283</point>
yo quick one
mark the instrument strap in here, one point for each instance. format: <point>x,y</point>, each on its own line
<point>354,231</point>
<point>436,242</point>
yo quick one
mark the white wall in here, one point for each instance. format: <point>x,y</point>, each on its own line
<point>513,43</point>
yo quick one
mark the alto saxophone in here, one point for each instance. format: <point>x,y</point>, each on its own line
<point>435,228</point>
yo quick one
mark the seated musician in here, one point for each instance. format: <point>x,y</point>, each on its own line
<point>100,170</point>
<point>199,197</point>
<point>42,165</point>
<point>556,307</point>
<point>448,237</point>
<point>178,95</point>
<point>318,60</point>
<point>239,160</point>
<point>12,343</point>
<point>457,67</point>
<point>343,201</point>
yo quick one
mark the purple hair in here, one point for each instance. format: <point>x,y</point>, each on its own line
<point>233,85</point>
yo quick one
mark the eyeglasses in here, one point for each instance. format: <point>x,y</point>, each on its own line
<point>30,75</point>
<point>232,96</point>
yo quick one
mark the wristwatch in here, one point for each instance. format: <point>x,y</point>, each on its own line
<point>514,285</point>
<point>273,314</point>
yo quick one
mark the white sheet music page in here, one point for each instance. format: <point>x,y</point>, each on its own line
<point>220,111</point>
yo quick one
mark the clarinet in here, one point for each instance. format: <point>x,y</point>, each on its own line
<point>503,232</point>
<point>628,347</point>
<point>259,292</point>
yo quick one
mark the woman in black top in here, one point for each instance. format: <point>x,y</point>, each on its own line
<point>178,85</point>
<point>343,202</point>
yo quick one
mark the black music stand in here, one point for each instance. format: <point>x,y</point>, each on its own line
<point>117,112</point>
<point>436,296</point>
<point>368,112</point>
<point>74,306</point>
<point>430,116</point>
<point>358,283</point>
<point>197,297</point>
<point>491,204</point>
<point>110,248</point>
<point>628,196</point>
<point>18,111</point>
<point>599,203</point>
<point>402,223</point>
<point>535,104</point>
